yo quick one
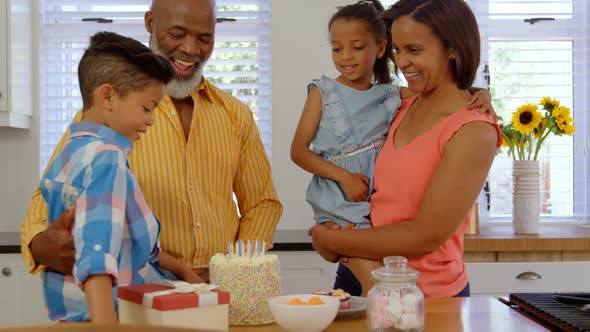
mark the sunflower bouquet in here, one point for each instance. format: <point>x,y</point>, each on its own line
<point>530,127</point>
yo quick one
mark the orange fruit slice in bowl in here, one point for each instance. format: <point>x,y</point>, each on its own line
<point>296,301</point>
<point>315,300</point>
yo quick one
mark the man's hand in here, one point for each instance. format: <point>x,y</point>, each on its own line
<point>55,246</point>
<point>191,276</point>
<point>202,273</point>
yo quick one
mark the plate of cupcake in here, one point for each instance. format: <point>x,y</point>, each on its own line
<point>350,306</point>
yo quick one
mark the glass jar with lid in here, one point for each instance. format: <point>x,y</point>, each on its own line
<point>395,303</point>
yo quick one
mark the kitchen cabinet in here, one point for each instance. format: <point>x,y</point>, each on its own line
<point>304,272</point>
<point>21,293</point>
<point>500,279</point>
<point>500,262</point>
<point>16,63</point>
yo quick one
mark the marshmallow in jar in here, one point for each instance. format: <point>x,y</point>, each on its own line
<point>395,303</point>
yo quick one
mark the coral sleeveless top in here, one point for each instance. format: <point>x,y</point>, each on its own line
<point>401,178</point>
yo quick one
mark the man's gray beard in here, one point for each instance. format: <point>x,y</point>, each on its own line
<point>179,87</point>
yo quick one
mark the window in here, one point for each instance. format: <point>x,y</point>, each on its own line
<point>532,49</point>
<point>240,63</point>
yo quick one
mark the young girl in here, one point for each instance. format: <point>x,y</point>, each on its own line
<point>347,120</point>
<point>115,233</point>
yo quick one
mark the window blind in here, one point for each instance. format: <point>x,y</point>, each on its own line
<point>240,63</point>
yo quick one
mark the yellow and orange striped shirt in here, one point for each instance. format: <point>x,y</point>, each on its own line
<point>189,183</point>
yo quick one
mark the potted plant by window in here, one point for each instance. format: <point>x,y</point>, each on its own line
<point>523,138</point>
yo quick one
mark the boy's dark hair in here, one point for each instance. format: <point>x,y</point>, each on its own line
<point>453,22</point>
<point>369,11</point>
<point>123,62</point>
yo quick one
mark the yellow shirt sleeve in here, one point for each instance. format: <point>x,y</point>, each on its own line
<point>259,204</point>
<point>35,221</point>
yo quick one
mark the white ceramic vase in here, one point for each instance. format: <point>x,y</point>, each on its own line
<point>526,196</point>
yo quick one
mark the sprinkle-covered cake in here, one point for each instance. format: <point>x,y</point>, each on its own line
<point>251,279</point>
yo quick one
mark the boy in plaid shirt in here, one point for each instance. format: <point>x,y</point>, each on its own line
<point>115,232</point>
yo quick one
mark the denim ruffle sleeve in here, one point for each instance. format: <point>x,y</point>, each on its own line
<point>392,101</point>
<point>335,110</point>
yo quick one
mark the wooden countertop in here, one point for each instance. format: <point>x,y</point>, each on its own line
<point>491,238</point>
<point>442,315</point>
<point>481,314</point>
<point>550,238</point>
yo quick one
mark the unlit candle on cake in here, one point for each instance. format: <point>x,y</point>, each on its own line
<point>251,277</point>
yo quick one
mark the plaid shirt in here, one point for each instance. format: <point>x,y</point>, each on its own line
<point>115,232</point>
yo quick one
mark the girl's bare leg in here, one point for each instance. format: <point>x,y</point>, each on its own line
<point>362,268</point>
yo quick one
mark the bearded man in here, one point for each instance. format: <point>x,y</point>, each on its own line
<point>203,149</point>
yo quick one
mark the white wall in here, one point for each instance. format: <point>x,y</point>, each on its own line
<point>19,158</point>
<point>300,53</point>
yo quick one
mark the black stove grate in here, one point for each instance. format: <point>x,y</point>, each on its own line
<point>560,317</point>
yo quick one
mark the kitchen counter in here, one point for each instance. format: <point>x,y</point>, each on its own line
<point>442,315</point>
<point>481,314</point>
<point>554,243</point>
<point>550,238</point>
<point>491,239</point>
<point>284,240</point>
<point>9,243</point>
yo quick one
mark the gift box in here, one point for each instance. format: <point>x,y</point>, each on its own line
<point>196,306</point>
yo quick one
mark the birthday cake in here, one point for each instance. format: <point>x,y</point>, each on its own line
<point>252,277</point>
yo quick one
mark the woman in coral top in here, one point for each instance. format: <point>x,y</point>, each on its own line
<point>436,156</point>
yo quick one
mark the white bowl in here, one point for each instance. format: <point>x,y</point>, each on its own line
<point>309,318</point>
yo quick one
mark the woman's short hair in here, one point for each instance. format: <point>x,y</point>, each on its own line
<point>453,22</point>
